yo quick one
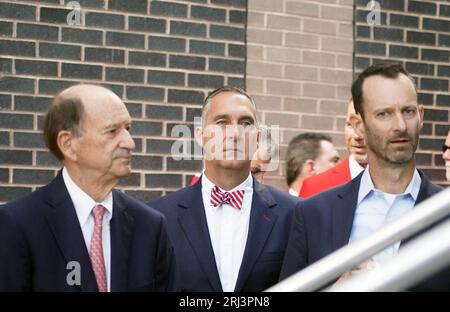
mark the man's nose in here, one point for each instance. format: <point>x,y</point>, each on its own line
<point>446,155</point>
<point>127,141</point>
<point>357,137</point>
<point>233,131</point>
<point>399,123</point>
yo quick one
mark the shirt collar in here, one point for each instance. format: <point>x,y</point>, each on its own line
<point>354,166</point>
<point>293,192</point>
<point>247,185</point>
<point>366,186</point>
<point>82,202</point>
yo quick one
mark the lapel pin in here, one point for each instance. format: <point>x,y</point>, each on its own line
<point>266,217</point>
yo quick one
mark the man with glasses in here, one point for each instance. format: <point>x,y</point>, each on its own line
<point>446,156</point>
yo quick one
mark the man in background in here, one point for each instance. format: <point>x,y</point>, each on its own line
<point>261,160</point>
<point>446,156</point>
<point>308,154</point>
<point>348,169</point>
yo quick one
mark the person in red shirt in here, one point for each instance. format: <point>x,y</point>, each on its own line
<point>308,154</point>
<point>348,169</point>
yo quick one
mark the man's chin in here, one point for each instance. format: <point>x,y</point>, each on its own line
<point>360,159</point>
<point>123,172</point>
<point>401,158</point>
<point>234,164</point>
<point>233,155</point>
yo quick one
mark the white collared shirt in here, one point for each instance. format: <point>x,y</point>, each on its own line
<point>293,192</point>
<point>84,204</point>
<point>376,208</point>
<point>354,166</point>
<point>228,229</point>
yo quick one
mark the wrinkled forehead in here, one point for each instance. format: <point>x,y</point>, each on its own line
<point>102,106</point>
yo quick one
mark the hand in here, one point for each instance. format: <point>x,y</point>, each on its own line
<point>363,266</point>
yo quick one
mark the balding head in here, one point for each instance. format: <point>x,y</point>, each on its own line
<point>68,109</point>
<point>90,96</point>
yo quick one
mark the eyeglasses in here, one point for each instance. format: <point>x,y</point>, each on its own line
<point>445,148</point>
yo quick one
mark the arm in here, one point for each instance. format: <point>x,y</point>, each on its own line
<point>15,272</point>
<point>296,256</point>
<point>165,271</point>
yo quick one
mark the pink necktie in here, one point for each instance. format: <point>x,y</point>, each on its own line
<point>96,253</point>
<point>232,198</point>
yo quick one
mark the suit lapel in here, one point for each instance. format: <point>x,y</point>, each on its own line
<point>63,223</point>
<point>192,219</point>
<point>262,220</point>
<point>121,226</point>
<point>343,213</point>
<point>426,190</point>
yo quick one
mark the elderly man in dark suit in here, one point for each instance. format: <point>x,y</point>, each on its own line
<point>389,118</point>
<point>229,231</point>
<point>78,233</point>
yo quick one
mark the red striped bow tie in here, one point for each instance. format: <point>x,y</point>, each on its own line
<point>232,198</point>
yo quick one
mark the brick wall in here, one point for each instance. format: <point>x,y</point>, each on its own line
<point>416,34</point>
<point>161,57</point>
<point>299,67</point>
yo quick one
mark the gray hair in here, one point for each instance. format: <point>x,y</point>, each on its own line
<point>212,94</point>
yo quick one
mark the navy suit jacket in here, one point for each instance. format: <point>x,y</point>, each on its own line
<point>270,220</point>
<point>40,234</point>
<point>323,224</point>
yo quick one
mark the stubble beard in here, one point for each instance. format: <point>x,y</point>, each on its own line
<point>380,147</point>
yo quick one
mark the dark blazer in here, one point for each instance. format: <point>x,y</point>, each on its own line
<point>270,219</point>
<point>338,175</point>
<point>323,224</point>
<point>40,234</point>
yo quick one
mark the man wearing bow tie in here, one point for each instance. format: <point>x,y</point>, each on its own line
<point>229,231</point>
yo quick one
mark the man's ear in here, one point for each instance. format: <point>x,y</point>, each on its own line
<point>198,135</point>
<point>309,168</point>
<point>357,124</point>
<point>421,113</point>
<point>254,147</point>
<point>67,144</point>
<point>258,138</point>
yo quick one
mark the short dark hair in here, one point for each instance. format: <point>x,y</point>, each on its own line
<point>387,70</point>
<point>223,89</point>
<point>64,113</point>
<point>301,148</point>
